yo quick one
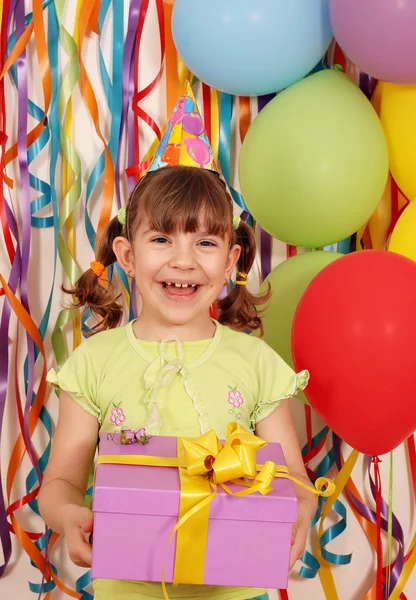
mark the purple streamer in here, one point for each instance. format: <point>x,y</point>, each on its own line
<point>397,533</point>
<point>367,84</point>
<point>23,98</point>
<point>4,367</point>
<point>130,122</point>
<point>128,86</point>
<point>26,218</point>
<point>370,515</point>
<point>19,273</point>
<point>263,100</point>
<point>265,253</point>
<point>265,238</point>
<point>4,359</point>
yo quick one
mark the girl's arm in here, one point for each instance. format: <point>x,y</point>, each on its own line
<point>278,427</point>
<point>61,497</point>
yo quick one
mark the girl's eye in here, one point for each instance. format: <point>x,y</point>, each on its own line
<point>207,243</point>
<point>160,240</point>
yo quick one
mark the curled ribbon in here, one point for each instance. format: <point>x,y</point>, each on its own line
<point>204,463</point>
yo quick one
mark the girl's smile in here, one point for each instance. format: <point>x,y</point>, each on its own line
<point>180,291</point>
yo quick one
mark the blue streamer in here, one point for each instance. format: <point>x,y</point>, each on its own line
<point>224,149</point>
<point>312,564</point>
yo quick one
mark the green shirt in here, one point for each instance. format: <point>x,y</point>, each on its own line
<point>178,389</point>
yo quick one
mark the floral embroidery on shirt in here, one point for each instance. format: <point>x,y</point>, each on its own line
<point>117,415</point>
<point>236,399</point>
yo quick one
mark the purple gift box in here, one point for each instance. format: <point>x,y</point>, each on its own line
<point>136,508</point>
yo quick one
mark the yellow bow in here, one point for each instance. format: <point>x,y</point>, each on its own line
<point>237,458</point>
<point>233,462</point>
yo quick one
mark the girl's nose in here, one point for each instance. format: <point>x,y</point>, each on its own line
<point>182,258</point>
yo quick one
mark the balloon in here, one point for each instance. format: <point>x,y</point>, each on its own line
<point>355,330</point>
<point>314,163</point>
<point>378,36</point>
<point>403,238</point>
<point>251,48</point>
<point>288,282</point>
<point>398,117</point>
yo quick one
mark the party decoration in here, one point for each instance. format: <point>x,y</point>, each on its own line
<point>398,117</point>
<point>378,36</point>
<point>184,141</point>
<point>403,238</point>
<point>314,163</point>
<point>288,281</point>
<point>355,329</point>
<point>251,49</point>
<point>112,160</point>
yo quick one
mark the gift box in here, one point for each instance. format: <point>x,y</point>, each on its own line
<point>245,542</point>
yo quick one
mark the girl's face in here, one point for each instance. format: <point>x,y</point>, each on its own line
<point>178,275</point>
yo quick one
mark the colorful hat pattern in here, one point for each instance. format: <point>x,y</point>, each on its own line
<point>185,141</point>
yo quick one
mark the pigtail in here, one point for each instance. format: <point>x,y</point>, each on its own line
<point>239,309</point>
<point>89,292</point>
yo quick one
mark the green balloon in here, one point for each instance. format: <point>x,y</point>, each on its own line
<point>288,281</point>
<point>314,163</point>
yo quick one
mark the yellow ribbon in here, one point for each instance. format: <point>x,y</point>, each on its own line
<point>408,567</point>
<point>204,463</point>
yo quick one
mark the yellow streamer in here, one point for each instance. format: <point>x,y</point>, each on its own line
<point>66,185</point>
<point>408,567</point>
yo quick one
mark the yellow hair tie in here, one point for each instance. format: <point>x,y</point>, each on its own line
<point>241,278</point>
<point>97,268</point>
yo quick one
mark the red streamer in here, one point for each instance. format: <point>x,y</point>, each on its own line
<point>412,460</point>
<point>379,548</point>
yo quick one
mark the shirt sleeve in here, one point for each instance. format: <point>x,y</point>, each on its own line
<point>277,381</point>
<point>78,378</point>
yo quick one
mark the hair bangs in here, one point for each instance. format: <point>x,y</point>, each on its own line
<point>188,200</point>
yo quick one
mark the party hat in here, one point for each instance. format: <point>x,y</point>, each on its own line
<point>184,141</point>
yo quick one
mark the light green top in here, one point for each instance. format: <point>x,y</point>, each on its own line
<point>178,389</point>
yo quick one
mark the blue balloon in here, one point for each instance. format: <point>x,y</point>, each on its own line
<point>251,48</point>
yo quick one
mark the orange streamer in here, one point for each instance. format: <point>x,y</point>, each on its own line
<point>32,551</point>
<point>87,21</point>
<point>245,116</point>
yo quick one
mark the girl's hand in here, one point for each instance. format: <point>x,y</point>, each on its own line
<point>78,524</point>
<point>300,533</point>
<point>278,427</point>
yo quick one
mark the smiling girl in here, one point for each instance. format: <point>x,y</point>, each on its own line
<point>174,370</point>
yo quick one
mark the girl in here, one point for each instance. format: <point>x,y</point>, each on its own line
<point>173,370</point>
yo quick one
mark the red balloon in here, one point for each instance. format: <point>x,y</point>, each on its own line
<point>355,331</point>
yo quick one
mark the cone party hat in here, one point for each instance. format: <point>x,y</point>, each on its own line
<point>184,141</point>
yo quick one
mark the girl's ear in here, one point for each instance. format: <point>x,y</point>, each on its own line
<point>123,251</point>
<point>232,259</point>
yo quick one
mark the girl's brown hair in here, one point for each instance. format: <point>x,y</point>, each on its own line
<point>173,199</point>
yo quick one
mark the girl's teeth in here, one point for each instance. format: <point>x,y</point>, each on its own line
<point>180,285</point>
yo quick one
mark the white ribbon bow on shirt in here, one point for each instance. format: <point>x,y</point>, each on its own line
<point>160,373</point>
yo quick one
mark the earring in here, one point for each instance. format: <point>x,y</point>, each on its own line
<point>129,273</point>
<point>227,281</point>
